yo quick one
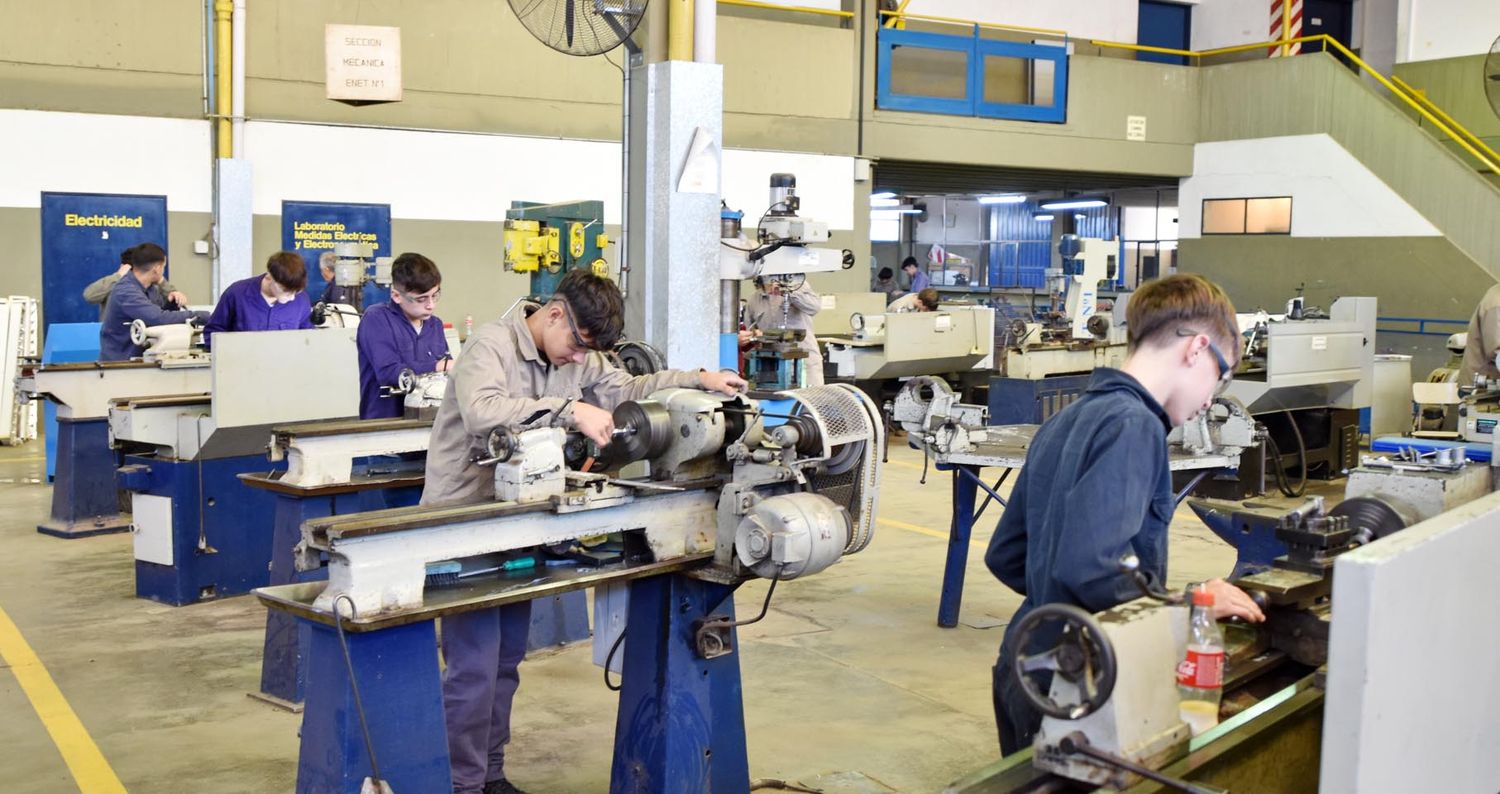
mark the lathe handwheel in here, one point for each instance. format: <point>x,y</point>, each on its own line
<point>1082,655</point>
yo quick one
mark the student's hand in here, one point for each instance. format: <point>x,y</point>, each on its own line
<point>746,337</point>
<point>720,381</point>
<point>123,270</point>
<point>594,422</point>
<point>177,298</point>
<point>1232,602</point>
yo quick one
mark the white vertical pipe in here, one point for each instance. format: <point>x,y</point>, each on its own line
<point>237,78</point>
<point>705,31</point>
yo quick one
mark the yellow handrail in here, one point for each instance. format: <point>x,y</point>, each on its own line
<point>1329,42</point>
<point>796,9</point>
<point>896,21</point>
<point>1421,97</point>
<point>902,16</point>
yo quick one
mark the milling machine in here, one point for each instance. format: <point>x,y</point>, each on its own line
<point>955,340</point>
<point>356,269</point>
<point>84,497</point>
<point>534,242</point>
<point>722,500</point>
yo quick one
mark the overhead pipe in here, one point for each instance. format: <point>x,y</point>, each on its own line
<point>680,30</point>
<point>223,50</point>
<point>705,31</point>
<point>237,78</point>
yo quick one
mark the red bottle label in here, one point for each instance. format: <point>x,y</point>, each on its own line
<point>1201,669</point>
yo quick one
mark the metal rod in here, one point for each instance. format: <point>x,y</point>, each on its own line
<point>1186,489</point>
<point>971,475</point>
<point>988,498</point>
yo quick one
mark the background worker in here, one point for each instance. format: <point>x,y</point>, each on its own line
<point>274,301</point>
<point>918,280</point>
<point>131,299</point>
<point>401,334</point>
<point>163,295</point>
<point>773,306</point>
<point>1484,340</point>
<point>925,301</point>
<point>539,369</point>
<point>333,292</point>
<point>1097,485</point>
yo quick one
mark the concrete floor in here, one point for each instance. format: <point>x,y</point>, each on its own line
<point>849,683</point>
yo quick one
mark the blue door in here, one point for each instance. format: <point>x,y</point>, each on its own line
<point>82,237</point>
<point>1162,24</point>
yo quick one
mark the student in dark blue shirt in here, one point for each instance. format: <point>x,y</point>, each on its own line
<point>134,297</point>
<point>274,301</point>
<point>401,333</point>
<point>1096,484</point>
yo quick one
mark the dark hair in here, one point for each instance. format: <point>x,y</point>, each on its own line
<point>415,274</point>
<point>597,306</point>
<point>127,257</point>
<point>929,298</point>
<point>146,255</point>
<point>884,273</point>
<point>1186,300</point>
<point>910,261</point>
<point>288,270</point>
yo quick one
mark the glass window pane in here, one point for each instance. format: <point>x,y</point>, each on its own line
<point>1043,80</point>
<point>885,226</point>
<point>1005,80</point>
<point>918,71</point>
<point>1268,216</point>
<point>1223,216</point>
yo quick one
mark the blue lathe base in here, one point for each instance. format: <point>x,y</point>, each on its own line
<point>680,727</point>
<point>201,534</point>
<point>84,499</point>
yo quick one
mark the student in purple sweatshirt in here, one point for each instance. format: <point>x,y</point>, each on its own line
<point>274,301</point>
<point>402,333</point>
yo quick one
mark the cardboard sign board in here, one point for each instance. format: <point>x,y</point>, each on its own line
<point>363,63</point>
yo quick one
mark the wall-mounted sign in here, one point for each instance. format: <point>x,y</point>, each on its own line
<point>1135,128</point>
<point>363,63</point>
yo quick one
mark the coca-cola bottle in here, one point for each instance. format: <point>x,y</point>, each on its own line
<point>1200,676</point>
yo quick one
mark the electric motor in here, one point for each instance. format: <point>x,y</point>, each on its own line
<point>790,535</point>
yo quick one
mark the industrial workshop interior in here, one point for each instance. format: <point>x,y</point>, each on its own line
<point>716,396</point>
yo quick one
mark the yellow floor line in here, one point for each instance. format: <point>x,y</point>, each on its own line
<point>920,530</point>
<point>27,459</point>
<point>90,770</point>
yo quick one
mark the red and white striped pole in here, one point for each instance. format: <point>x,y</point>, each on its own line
<point>1285,26</point>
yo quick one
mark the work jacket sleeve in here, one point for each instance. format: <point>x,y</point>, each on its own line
<point>606,385</point>
<point>487,397</point>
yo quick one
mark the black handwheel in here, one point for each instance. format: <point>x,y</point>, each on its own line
<point>1082,655</point>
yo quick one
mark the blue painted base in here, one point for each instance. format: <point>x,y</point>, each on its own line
<point>681,721</point>
<point>1473,450</point>
<point>1252,535</point>
<point>960,528</point>
<point>1020,401</point>
<point>399,683</point>
<point>84,499</point>
<point>282,669</point>
<point>221,540</point>
<point>67,343</point>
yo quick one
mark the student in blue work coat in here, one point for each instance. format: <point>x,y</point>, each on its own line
<point>402,333</point>
<point>274,301</point>
<point>132,298</point>
<point>1097,486</point>
<point>533,370</point>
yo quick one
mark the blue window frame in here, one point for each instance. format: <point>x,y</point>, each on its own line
<point>974,50</point>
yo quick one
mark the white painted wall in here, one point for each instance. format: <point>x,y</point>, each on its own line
<point>1333,194</point>
<point>1226,23</point>
<point>1149,223</point>
<point>1433,29</point>
<point>422,175</point>
<point>458,176</point>
<point>963,223</point>
<point>96,153</point>
<point>1112,20</point>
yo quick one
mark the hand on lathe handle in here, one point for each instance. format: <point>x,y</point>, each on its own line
<point>1232,602</point>
<point>721,381</point>
<point>594,422</point>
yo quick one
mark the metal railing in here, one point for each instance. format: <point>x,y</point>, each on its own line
<point>1421,323</point>
<point>1421,97</point>
<point>897,19</point>
<point>1329,43</point>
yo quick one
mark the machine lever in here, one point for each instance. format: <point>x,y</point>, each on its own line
<point>1131,564</point>
<point>1076,742</point>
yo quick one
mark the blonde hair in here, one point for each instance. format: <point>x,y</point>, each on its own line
<point>1185,300</point>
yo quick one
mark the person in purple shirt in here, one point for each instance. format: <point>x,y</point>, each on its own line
<point>919,279</point>
<point>271,302</point>
<point>399,334</point>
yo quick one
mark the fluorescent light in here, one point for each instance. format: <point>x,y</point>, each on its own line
<point>884,194</point>
<point>885,202</point>
<point>1041,217</point>
<point>1079,216</point>
<point>1074,204</point>
<point>910,211</point>
<point>1011,199</point>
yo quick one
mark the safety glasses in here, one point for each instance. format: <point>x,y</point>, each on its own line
<point>1226,372</point>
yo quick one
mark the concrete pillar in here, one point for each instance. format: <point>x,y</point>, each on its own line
<point>673,303</point>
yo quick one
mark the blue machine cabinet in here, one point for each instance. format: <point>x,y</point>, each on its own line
<point>67,343</point>
<point>1032,401</point>
<point>680,726</point>
<point>84,499</point>
<point>200,533</point>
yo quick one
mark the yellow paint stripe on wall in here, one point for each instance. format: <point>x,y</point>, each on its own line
<point>88,766</point>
